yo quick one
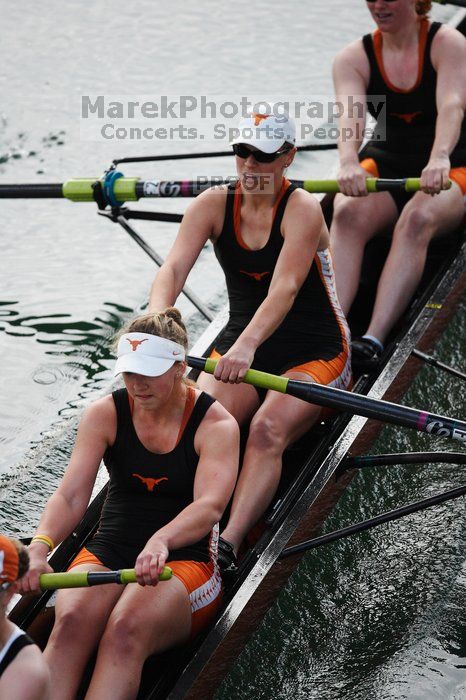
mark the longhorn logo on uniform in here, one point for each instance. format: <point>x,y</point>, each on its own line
<point>150,483</point>
<point>408,118</point>
<point>135,343</point>
<point>255,275</point>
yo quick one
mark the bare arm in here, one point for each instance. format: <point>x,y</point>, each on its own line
<point>351,77</point>
<point>303,227</point>
<point>217,443</point>
<point>449,59</point>
<point>27,677</point>
<point>68,504</point>
<point>197,227</point>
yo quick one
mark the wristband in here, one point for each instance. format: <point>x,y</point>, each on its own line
<point>45,539</point>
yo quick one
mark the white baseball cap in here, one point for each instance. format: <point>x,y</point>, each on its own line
<point>144,353</point>
<point>267,132</point>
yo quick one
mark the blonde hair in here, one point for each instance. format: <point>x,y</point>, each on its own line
<point>23,558</point>
<point>423,7</point>
<point>166,324</point>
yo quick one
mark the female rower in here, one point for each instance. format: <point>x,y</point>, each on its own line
<point>420,66</point>
<point>272,244</point>
<point>172,456</point>
<point>23,672</point>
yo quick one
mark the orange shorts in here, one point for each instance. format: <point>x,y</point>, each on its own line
<point>335,372</point>
<point>202,581</point>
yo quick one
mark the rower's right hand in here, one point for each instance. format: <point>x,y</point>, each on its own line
<point>234,364</point>
<point>351,179</point>
<point>37,565</point>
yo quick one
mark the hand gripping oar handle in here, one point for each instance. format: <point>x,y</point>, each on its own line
<point>83,579</point>
<point>118,190</point>
<point>342,400</point>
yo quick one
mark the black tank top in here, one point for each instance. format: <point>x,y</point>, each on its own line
<point>146,489</point>
<point>248,274</point>
<point>410,114</point>
<point>14,647</point>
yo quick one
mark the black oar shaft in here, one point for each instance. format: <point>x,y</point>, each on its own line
<point>386,460</point>
<point>358,404</point>
<point>213,154</point>
<point>373,522</point>
<point>458,3</point>
<point>429,360</point>
<point>425,422</point>
<point>193,298</point>
<point>114,189</point>
<point>37,190</point>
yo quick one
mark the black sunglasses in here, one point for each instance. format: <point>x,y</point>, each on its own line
<point>242,151</point>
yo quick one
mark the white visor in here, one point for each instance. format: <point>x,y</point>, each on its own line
<point>266,132</point>
<point>144,353</point>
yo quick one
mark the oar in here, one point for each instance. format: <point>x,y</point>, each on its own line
<point>215,154</point>
<point>429,360</point>
<point>83,579</point>
<point>358,404</point>
<point>364,525</point>
<point>117,189</point>
<point>458,3</point>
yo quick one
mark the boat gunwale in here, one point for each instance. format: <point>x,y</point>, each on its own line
<point>423,313</point>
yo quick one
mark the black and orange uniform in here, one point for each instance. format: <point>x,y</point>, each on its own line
<point>15,642</point>
<point>146,491</point>
<point>313,337</point>
<point>404,150</point>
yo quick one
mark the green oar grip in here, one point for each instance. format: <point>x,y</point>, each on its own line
<point>373,184</point>
<point>129,575</point>
<point>84,579</point>
<point>80,189</point>
<point>263,380</point>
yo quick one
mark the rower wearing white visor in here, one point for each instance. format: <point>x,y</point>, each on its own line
<point>272,244</point>
<point>172,456</point>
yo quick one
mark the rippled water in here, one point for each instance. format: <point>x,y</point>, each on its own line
<point>378,616</point>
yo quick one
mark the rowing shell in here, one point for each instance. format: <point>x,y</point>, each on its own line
<point>305,498</point>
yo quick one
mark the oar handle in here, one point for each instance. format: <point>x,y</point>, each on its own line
<point>117,190</point>
<point>263,380</point>
<point>373,184</point>
<point>348,401</point>
<point>83,579</point>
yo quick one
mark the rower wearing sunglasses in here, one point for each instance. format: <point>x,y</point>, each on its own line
<point>272,243</point>
<point>420,67</point>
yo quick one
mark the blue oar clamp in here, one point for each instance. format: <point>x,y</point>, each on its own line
<point>108,185</point>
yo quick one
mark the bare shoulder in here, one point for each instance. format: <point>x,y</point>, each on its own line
<point>27,677</point>
<point>209,209</point>
<point>103,409</point>
<point>303,201</point>
<point>352,58</point>
<point>219,420</point>
<point>304,208</point>
<point>449,52</point>
<point>100,418</point>
<point>450,36</point>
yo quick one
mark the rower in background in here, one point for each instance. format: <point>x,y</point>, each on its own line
<point>24,675</point>
<point>421,68</point>
<point>272,243</point>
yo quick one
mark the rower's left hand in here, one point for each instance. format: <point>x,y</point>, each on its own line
<point>436,175</point>
<point>232,367</point>
<point>150,562</point>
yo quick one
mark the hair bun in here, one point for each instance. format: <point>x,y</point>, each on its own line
<point>172,312</point>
